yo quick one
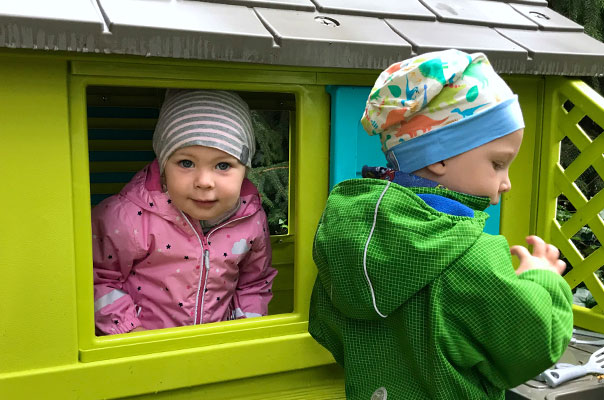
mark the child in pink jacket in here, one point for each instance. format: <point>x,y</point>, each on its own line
<point>186,240</point>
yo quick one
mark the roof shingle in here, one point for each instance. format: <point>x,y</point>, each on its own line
<point>519,36</point>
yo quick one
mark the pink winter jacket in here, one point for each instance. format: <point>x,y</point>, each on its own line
<point>153,266</point>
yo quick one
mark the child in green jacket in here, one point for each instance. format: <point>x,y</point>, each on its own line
<point>412,298</point>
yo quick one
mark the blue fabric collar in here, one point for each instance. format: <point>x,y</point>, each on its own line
<point>439,203</point>
<point>446,205</point>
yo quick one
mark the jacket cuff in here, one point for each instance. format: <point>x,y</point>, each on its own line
<point>125,326</point>
<point>238,313</point>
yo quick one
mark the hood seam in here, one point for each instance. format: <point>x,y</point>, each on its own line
<point>367,246</point>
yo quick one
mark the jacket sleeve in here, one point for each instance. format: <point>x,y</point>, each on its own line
<point>255,276</point>
<point>114,251</point>
<point>507,327</point>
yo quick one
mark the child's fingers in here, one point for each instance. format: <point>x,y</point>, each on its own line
<point>539,246</point>
<point>560,266</point>
<point>552,252</point>
<point>521,252</point>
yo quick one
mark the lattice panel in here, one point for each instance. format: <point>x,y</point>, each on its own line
<point>571,193</point>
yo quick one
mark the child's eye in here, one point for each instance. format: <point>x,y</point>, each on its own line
<point>186,163</point>
<point>223,166</point>
<point>497,165</point>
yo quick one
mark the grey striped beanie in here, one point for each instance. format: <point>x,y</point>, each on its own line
<point>212,118</point>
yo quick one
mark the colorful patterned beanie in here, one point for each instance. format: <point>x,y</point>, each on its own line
<point>438,105</point>
<point>212,118</point>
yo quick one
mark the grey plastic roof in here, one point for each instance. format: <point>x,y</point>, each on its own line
<point>519,36</point>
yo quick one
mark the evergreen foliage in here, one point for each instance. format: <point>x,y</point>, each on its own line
<point>270,166</point>
<point>589,14</point>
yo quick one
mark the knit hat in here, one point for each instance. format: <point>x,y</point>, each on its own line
<point>212,118</point>
<point>438,105</point>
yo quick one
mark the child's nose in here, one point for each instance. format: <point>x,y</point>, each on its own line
<point>204,180</point>
<point>506,185</point>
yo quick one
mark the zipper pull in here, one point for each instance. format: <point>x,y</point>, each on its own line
<point>206,258</point>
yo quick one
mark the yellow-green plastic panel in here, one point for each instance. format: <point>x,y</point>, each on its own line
<point>154,373</point>
<point>561,123</point>
<point>517,215</point>
<point>150,70</point>
<point>37,296</point>
<point>319,383</point>
<point>356,78</point>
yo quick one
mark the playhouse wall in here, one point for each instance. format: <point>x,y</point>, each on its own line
<point>42,345</point>
<point>47,343</point>
<point>37,309</point>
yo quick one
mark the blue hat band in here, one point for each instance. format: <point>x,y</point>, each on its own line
<point>458,137</point>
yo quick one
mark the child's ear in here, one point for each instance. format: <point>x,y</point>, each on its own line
<point>438,168</point>
<point>164,186</point>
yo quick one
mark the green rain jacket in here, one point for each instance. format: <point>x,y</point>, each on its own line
<point>419,304</point>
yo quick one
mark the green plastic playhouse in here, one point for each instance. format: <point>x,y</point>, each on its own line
<point>80,85</point>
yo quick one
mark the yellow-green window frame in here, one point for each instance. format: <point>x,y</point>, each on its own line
<point>269,344</point>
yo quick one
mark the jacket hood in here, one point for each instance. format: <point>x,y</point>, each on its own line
<point>378,243</point>
<point>145,190</point>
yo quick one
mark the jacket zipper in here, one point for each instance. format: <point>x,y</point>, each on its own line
<point>205,261</point>
<point>203,273</point>
<point>229,312</point>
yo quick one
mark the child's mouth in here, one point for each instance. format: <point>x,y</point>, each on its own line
<point>204,203</point>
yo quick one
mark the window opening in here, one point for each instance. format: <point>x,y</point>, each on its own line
<point>591,128</point>
<point>270,167</point>
<point>590,183</point>
<point>121,121</point>
<point>583,297</point>
<point>568,152</point>
<point>568,105</point>
<point>585,241</point>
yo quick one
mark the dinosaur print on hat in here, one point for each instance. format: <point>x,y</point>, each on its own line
<point>428,92</point>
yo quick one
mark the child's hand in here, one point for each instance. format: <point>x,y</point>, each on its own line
<point>545,256</point>
<point>138,329</point>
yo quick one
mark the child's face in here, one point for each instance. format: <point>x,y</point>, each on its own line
<point>483,171</point>
<point>203,182</point>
